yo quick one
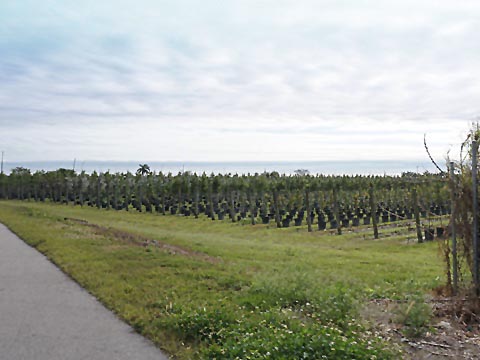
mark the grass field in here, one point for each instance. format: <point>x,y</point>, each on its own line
<point>204,289</point>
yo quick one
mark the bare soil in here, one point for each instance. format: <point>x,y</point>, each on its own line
<point>454,332</point>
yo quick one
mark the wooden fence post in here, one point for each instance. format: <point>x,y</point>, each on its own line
<point>475,215</point>
<point>336,209</point>
<point>417,215</point>
<point>276,207</point>
<point>453,229</point>
<point>373,211</point>
<point>309,209</point>
<point>99,192</point>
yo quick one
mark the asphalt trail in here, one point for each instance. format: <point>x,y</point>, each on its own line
<point>44,315</point>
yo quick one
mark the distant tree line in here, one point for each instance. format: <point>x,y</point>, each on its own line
<point>285,200</point>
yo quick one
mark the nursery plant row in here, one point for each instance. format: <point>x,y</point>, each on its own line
<point>328,202</point>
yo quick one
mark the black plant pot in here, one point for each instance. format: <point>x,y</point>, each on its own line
<point>322,224</point>
<point>366,220</point>
<point>393,217</point>
<point>355,221</point>
<point>345,222</point>
<point>384,218</point>
<point>440,232</point>
<point>333,224</point>
<point>265,220</point>
<point>429,234</point>
<point>286,223</point>
<point>298,221</point>
<point>221,215</point>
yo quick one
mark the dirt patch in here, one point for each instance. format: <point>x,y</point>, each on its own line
<point>139,240</point>
<point>449,336</point>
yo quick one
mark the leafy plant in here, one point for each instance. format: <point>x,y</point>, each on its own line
<point>235,334</point>
<point>415,316</point>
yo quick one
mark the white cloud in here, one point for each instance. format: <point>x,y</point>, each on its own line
<point>291,79</point>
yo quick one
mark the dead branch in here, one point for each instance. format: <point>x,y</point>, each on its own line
<point>430,156</point>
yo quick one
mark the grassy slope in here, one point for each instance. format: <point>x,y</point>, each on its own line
<point>142,284</point>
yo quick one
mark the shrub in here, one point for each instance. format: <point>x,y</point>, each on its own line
<point>277,337</point>
<point>202,325</point>
<point>224,332</point>
<point>301,292</point>
<point>415,316</point>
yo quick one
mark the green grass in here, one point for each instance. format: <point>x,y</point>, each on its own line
<point>218,281</point>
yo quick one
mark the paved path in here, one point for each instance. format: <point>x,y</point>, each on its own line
<point>44,315</point>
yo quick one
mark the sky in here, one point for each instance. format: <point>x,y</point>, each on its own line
<point>237,80</point>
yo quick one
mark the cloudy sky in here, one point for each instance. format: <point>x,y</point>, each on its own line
<point>223,80</point>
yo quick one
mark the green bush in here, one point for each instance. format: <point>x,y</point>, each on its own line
<point>224,332</point>
<point>202,325</point>
<point>292,340</point>
<point>301,292</point>
<point>414,315</point>
<point>284,316</point>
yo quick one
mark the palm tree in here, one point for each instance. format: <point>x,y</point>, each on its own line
<point>143,169</point>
